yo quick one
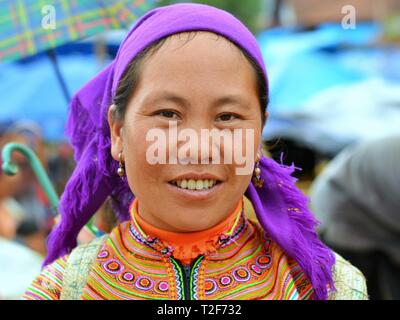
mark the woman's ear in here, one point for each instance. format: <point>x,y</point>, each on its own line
<point>116,131</point>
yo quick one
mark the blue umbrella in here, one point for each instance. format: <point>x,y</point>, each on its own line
<point>33,91</point>
<point>29,26</point>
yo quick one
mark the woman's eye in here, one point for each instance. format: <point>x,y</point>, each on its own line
<point>168,114</point>
<point>227,117</point>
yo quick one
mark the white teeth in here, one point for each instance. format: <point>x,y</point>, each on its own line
<point>182,184</point>
<point>199,185</point>
<point>192,184</point>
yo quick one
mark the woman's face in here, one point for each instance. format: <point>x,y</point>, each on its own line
<point>203,83</point>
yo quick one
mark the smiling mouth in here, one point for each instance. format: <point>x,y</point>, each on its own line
<point>197,185</point>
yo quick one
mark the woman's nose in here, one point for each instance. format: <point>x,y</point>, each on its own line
<point>205,144</point>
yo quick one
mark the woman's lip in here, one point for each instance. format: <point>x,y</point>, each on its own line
<point>192,195</point>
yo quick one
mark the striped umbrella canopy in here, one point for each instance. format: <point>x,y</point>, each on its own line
<point>30,26</point>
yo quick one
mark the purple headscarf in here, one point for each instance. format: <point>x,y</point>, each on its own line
<point>280,207</point>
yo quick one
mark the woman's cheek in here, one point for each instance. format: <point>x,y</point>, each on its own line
<point>134,150</point>
<point>244,150</point>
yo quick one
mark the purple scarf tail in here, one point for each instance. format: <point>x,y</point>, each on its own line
<point>94,178</point>
<point>282,211</point>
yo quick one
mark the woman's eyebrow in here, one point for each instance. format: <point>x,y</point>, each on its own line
<point>180,100</point>
<point>166,96</point>
<point>232,99</point>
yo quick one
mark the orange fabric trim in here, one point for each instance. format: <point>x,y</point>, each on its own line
<point>188,246</point>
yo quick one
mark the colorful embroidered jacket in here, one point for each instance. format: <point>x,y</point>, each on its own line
<point>128,264</point>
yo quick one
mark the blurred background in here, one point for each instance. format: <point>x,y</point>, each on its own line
<point>334,77</point>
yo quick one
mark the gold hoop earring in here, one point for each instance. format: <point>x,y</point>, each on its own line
<point>121,170</point>
<point>257,181</point>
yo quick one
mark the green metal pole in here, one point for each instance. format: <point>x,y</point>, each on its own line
<point>11,169</point>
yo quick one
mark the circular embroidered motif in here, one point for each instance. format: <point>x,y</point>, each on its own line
<point>225,281</point>
<point>103,254</point>
<point>128,276</point>
<point>113,266</point>
<point>144,283</point>
<point>241,275</point>
<point>264,261</point>
<point>210,286</point>
<point>163,286</point>
<point>256,269</point>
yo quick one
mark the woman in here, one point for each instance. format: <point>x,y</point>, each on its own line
<point>184,234</point>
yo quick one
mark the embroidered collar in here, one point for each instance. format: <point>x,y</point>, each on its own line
<point>221,246</point>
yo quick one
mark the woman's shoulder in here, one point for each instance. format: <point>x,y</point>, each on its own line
<point>79,264</point>
<point>349,282</point>
<point>92,246</point>
<point>63,278</point>
<point>48,284</point>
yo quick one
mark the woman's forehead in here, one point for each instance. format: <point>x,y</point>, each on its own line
<point>196,69</point>
<point>197,43</point>
<point>198,56</point>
